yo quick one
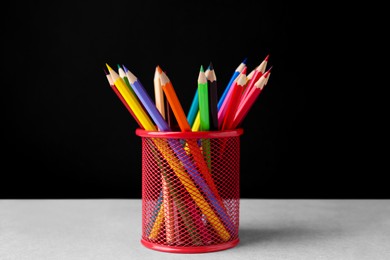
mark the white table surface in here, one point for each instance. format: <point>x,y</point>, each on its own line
<point>269,229</point>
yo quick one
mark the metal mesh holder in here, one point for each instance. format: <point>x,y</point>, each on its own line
<point>190,190</point>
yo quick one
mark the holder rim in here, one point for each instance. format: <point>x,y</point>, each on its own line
<point>200,134</point>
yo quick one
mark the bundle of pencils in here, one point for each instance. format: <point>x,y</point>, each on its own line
<point>205,114</point>
<point>191,161</point>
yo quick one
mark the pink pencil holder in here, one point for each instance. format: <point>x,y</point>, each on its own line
<point>190,190</point>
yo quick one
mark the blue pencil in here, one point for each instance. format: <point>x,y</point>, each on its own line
<point>155,213</point>
<point>234,76</point>
<point>193,109</point>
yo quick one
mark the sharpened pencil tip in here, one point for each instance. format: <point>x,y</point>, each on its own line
<point>201,68</point>
<point>105,71</point>
<point>119,67</point>
<point>211,66</point>
<point>159,69</point>
<point>267,72</point>
<point>124,68</point>
<point>244,61</point>
<point>108,67</point>
<point>266,58</point>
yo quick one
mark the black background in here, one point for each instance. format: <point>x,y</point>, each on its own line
<point>66,134</point>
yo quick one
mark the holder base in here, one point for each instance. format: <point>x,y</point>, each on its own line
<point>192,249</point>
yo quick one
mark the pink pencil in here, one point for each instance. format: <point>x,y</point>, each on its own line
<point>244,108</point>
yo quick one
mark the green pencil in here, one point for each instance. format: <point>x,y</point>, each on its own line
<point>122,74</point>
<point>203,96</point>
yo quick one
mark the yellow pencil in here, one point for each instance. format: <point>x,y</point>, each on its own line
<point>158,223</point>
<point>196,124</point>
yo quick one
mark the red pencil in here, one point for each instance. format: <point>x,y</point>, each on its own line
<point>234,101</point>
<point>119,95</point>
<point>244,107</point>
<point>222,109</point>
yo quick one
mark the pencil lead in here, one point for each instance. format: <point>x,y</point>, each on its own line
<point>202,76</point>
<point>159,69</point>
<point>211,66</point>
<point>244,61</point>
<point>268,72</point>
<point>108,67</point>
<point>124,68</point>
<point>266,58</point>
<point>105,71</point>
<point>267,76</point>
<point>119,66</point>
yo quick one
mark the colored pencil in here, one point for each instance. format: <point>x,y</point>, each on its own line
<point>167,199</point>
<point>173,100</point>
<point>194,109</point>
<point>159,94</point>
<point>203,95</point>
<point>234,101</point>
<point>154,223</point>
<point>213,97</point>
<point>196,125</point>
<point>222,110</point>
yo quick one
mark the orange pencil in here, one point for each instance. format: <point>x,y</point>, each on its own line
<point>176,107</point>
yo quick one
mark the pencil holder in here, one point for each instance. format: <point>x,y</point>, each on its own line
<point>190,190</point>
